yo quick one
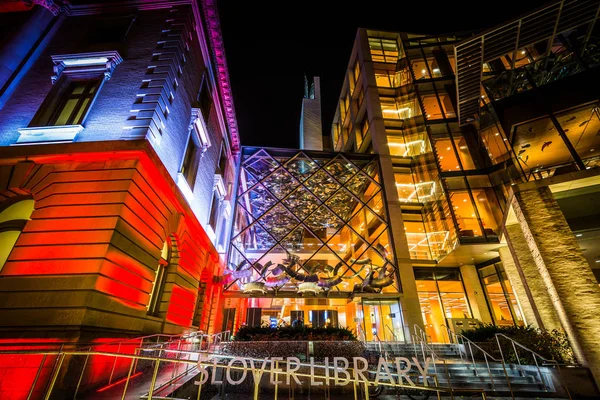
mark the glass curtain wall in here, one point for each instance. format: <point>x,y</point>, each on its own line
<point>499,294</point>
<point>310,223</point>
<point>406,112</point>
<point>442,297</point>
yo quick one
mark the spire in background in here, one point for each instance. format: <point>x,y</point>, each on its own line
<point>311,131</point>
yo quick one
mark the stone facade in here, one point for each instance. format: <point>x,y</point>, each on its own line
<point>568,278</point>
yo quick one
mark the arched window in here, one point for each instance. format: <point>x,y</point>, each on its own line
<point>13,217</point>
<point>160,279</point>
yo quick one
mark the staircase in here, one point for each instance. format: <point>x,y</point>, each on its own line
<point>454,367</point>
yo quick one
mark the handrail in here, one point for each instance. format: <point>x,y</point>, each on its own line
<point>554,362</point>
<point>419,332</point>
<point>193,363</point>
<point>360,331</point>
<point>392,332</point>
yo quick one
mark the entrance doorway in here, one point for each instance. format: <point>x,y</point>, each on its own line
<point>381,320</point>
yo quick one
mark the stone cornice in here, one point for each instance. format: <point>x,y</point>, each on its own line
<point>213,29</point>
<point>54,6</point>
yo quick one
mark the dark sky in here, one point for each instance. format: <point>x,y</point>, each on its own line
<point>271,45</point>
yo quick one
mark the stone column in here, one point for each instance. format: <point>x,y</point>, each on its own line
<point>568,277</point>
<point>516,281</point>
<point>475,294</point>
<point>542,304</point>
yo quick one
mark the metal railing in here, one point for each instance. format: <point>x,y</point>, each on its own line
<point>460,340</point>
<point>536,356</point>
<point>327,373</point>
<point>392,332</point>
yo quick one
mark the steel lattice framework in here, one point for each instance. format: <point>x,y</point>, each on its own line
<point>310,222</point>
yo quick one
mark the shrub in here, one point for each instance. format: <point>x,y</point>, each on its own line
<point>256,333</point>
<point>552,345</point>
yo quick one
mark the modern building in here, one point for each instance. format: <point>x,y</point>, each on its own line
<point>118,145</point>
<point>489,146</point>
<point>462,190</point>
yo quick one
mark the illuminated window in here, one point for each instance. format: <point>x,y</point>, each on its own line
<point>77,80</point>
<point>384,50</point>
<point>500,297</point>
<point>198,143</point>
<point>13,217</point>
<point>442,298</point>
<point>399,108</point>
<point>361,132</point>
<point>160,279</point>
<point>468,224</point>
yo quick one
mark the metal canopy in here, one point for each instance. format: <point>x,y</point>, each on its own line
<point>542,24</point>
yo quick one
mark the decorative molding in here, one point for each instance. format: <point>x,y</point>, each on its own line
<point>158,88</point>
<point>198,125</point>
<point>48,134</point>
<point>55,7</point>
<point>103,62</point>
<point>213,27</point>
<point>219,187</point>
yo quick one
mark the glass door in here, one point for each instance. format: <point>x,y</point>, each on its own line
<point>382,320</point>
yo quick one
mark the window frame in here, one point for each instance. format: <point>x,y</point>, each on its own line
<point>68,68</point>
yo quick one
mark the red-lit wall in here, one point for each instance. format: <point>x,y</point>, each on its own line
<point>83,267</point>
<point>88,256</point>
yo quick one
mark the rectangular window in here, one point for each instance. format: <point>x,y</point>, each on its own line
<point>69,102</point>
<point>205,99</point>
<point>189,168</point>
<point>384,50</point>
<point>214,211</point>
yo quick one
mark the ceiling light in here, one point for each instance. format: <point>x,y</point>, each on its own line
<point>465,200</point>
<point>463,147</point>
<point>522,51</point>
<point>579,234</point>
<point>447,148</point>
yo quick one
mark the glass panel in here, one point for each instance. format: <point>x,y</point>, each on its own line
<point>343,204</point>
<point>466,218</point>
<point>446,156</point>
<point>80,113</point>
<point>399,109</point>
<point>301,242</point>
<point>322,185</point>
<point>582,127</point>
<point>260,164</point>
<point>377,205</point>
<point>488,209</point>
<point>538,146</point>
<point>302,202</point>
<point>259,200</point>
<point>300,263</point>
<point>463,153</point>
<point>495,145</point>
<point>278,222</point>
<point>66,112</point>
<point>341,169</point>
<point>419,68</point>
<point>405,186</point>
<point>497,300</point>
<point>301,167</point>
<point>280,183</point>
<point>418,245</point>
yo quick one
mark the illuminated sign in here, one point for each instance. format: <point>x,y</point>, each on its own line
<point>341,371</point>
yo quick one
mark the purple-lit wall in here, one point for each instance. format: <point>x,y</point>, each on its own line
<point>111,116</point>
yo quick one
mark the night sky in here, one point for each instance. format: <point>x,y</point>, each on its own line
<point>271,45</point>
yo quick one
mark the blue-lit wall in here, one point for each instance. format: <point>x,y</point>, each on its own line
<point>110,117</point>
